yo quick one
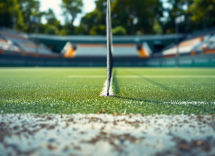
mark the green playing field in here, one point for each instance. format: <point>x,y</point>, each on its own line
<point>137,90</point>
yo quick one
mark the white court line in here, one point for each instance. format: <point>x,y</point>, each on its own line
<point>87,76</point>
<point>144,76</point>
<point>186,102</point>
<point>133,134</point>
<point>104,90</point>
<point>166,76</point>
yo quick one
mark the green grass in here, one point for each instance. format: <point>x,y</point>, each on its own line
<point>137,90</point>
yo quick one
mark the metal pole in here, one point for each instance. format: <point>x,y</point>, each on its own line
<point>177,46</point>
<point>36,57</point>
<point>109,46</point>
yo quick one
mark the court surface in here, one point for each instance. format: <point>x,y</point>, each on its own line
<point>136,90</point>
<point>154,111</point>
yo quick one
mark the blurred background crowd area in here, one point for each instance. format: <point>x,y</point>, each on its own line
<point>129,17</point>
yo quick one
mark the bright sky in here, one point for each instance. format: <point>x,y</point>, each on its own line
<point>89,5</point>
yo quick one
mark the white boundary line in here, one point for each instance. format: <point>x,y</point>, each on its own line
<point>144,76</point>
<point>89,132</point>
<point>87,76</point>
<point>104,90</point>
<point>191,102</point>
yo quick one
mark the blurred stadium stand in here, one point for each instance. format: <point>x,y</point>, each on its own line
<point>18,49</point>
<point>200,42</point>
<point>155,42</point>
<point>120,50</point>
<point>12,41</point>
<point>7,45</point>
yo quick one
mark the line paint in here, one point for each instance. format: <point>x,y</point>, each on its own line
<point>87,76</point>
<point>146,76</point>
<point>191,103</point>
<point>104,90</point>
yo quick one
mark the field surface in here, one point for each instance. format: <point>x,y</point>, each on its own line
<point>40,112</point>
<point>137,91</point>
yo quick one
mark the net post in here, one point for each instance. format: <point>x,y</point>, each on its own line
<point>109,46</point>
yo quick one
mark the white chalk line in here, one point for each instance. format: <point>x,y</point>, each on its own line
<point>176,102</point>
<point>145,76</point>
<point>87,76</point>
<point>191,103</point>
<point>151,131</point>
<point>104,90</point>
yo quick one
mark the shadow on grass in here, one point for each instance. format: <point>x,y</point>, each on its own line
<point>155,83</point>
<point>117,88</point>
<point>115,83</point>
<point>152,81</point>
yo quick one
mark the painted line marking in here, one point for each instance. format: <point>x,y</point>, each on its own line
<point>144,76</point>
<point>186,102</point>
<point>87,76</point>
<point>104,90</point>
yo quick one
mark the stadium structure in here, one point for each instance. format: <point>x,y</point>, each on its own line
<point>20,49</point>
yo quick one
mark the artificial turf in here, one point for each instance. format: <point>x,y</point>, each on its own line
<point>137,90</point>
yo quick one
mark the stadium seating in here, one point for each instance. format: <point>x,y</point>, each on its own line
<point>126,50</point>
<point>98,50</point>
<point>91,50</point>
<point>209,44</point>
<point>69,50</point>
<point>184,48</point>
<point>144,50</point>
<point>6,45</point>
<point>192,46</point>
<point>95,46</point>
<point>11,41</point>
